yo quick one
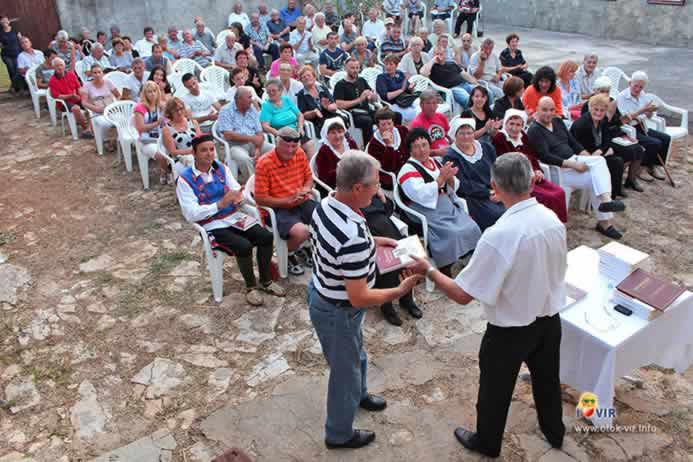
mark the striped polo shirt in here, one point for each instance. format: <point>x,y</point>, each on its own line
<point>343,248</point>
<point>277,178</point>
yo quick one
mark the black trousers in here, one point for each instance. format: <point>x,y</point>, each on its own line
<point>365,121</point>
<point>616,167</point>
<point>461,18</point>
<point>503,350</point>
<point>654,143</point>
<point>241,243</point>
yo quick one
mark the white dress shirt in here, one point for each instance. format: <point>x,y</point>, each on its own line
<point>518,269</point>
<point>190,205</point>
<point>144,47</point>
<point>26,60</point>
<point>240,18</point>
<point>627,103</point>
<point>372,30</point>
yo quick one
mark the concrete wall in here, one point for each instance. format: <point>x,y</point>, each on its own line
<point>133,15</point>
<point>616,19</point>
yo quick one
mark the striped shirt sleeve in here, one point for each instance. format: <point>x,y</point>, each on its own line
<point>354,258</point>
<point>261,179</point>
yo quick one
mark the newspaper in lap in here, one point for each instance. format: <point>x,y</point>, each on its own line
<point>391,259</point>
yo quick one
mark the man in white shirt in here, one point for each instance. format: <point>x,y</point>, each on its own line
<point>144,45</point>
<point>517,272</point>
<point>238,15</point>
<point>374,28</point>
<point>225,56</point>
<point>135,80</point>
<point>203,106</point>
<point>28,57</point>
<point>300,40</point>
<point>587,74</point>
<point>484,65</point>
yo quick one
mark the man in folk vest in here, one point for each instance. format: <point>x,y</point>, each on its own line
<point>210,196</point>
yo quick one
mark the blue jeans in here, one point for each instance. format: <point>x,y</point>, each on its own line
<point>259,52</point>
<point>461,93</point>
<point>339,331</point>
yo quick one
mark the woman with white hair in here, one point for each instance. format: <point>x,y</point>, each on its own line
<point>473,160</point>
<point>637,107</point>
<point>320,30</point>
<point>66,50</point>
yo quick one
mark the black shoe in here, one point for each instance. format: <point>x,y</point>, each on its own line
<point>612,206</point>
<point>409,305</point>
<point>305,256</point>
<point>610,232</point>
<point>360,439</point>
<point>373,403</point>
<point>633,184</point>
<point>468,440</point>
<point>391,314</point>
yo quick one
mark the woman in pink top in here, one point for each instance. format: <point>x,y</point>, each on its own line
<point>286,55</point>
<point>96,95</point>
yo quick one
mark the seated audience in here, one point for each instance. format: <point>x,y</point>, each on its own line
<point>595,133</point>
<point>512,138</point>
<point>120,59</point>
<point>66,50</point>
<point>320,30</point>
<point>157,59</point>
<point>554,145</point>
<point>332,58</point>
<point>466,51</point>
<point>570,92</point>
<point>194,49</point>
<point>331,16</point>
<point>468,10</point>
<point>393,88</point>
<point>394,44</point>
<point>484,65</point>
<point>347,36</point>
<point>238,80</point>
<point>513,87</point>
<point>45,70</point>
<point>283,181</point>
<point>440,28</point>
<point>261,41</point>
<point>158,76</point>
<point>173,42</point>
<point>442,9</point>
<point>473,161</point>
<point>301,41</point>
<point>129,48</point>
<point>279,112</point>
<point>239,124</point>
<point>177,133</point>
<point>587,74</point>
<point>513,61</point>
<point>333,145</point>
<point>543,84</point>
<point>423,35</point>
<point>414,60</point>
<point>149,118</point>
<point>202,104</point>
<point>486,123</point>
<point>96,94</point>
<point>374,27</point>
<point>415,12</point>
<point>388,145</point>
<point>65,85</point>
<point>435,123</point>
<point>290,86</point>
<point>252,78</point>
<point>225,55</point>
<point>393,9</point>
<point>238,15</point>
<point>314,100</point>
<point>28,58</point>
<point>278,29</point>
<point>309,14</point>
<point>365,57</point>
<point>353,94</point>
<point>428,187</point>
<point>135,81</point>
<point>637,107</point>
<point>163,43</point>
<point>97,56</point>
<point>208,195</point>
<point>389,24</point>
<point>444,43</point>
<point>144,45</point>
<point>286,56</point>
<point>449,74</point>
<point>291,13</point>
<point>204,36</point>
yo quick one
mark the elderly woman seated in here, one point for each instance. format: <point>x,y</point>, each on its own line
<point>473,161</point>
<point>314,100</point>
<point>178,133</point>
<point>511,138</point>
<point>334,146</point>
<point>428,187</point>
<point>290,86</point>
<point>361,52</point>
<point>595,132</point>
<point>388,145</point>
<point>393,88</point>
<point>120,59</point>
<point>279,111</point>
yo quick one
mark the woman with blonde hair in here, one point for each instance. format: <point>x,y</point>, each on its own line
<point>570,89</point>
<point>148,122</point>
<point>178,132</point>
<point>361,52</point>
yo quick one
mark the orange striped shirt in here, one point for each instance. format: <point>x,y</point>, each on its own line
<point>279,179</point>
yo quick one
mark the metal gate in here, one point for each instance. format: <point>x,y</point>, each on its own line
<point>37,19</point>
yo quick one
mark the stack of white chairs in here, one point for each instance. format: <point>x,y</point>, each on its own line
<point>183,66</point>
<point>216,79</point>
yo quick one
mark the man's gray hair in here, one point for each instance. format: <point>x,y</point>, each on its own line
<point>243,90</point>
<point>488,41</point>
<point>512,173</point>
<point>428,95</point>
<point>61,36</point>
<point>97,46</point>
<point>639,76</point>
<point>590,56</point>
<point>355,167</point>
<point>137,61</point>
<point>57,61</point>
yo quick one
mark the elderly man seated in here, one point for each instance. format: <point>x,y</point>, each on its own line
<point>394,44</point>
<point>209,195</point>
<point>157,59</point>
<point>173,42</point>
<point>203,105</point>
<point>283,181</point>
<point>225,55</point>
<point>97,56</point>
<point>636,108</point>
<point>239,124</point>
<point>194,49</point>
<point>450,75</point>
<point>587,74</point>
<point>261,41</point>
<point>374,27</point>
<point>29,57</point>
<point>135,81</point>
<point>435,124</point>
<point>485,65</point>
<point>301,41</point>
<point>238,15</point>
<point>554,145</point>
<point>204,36</point>
<point>65,86</point>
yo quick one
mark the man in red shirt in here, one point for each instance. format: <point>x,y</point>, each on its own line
<point>65,86</point>
<point>434,123</point>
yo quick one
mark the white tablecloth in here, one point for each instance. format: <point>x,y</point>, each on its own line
<point>592,360</point>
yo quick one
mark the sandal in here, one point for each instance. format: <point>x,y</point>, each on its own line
<point>294,267</point>
<point>254,297</point>
<point>609,232</point>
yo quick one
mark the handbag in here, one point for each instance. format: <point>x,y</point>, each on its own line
<point>406,99</point>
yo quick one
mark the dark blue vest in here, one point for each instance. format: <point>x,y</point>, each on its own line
<point>209,193</point>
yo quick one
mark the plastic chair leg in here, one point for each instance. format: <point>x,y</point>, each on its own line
<point>37,105</point>
<point>216,273</point>
<point>73,126</point>
<point>283,257</point>
<point>143,162</point>
<point>126,150</point>
<point>52,114</point>
<point>98,139</point>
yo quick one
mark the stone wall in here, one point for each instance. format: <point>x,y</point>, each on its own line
<point>133,15</point>
<point>614,19</point>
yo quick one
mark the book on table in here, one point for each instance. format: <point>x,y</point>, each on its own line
<point>649,290</point>
<point>390,259</point>
<point>242,221</point>
<point>616,261</point>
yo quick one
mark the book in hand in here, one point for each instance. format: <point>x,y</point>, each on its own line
<point>242,221</point>
<point>390,259</point>
<point>650,290</point>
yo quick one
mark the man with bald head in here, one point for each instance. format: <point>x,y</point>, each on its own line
<point>554,145</point>
<point>239,124</point>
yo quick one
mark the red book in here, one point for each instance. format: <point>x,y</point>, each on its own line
<point>652,291</point>
<point>391,259</point>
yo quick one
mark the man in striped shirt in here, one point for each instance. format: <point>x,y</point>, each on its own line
<point>340,290</point>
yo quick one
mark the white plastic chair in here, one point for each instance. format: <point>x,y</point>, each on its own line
<point>36,92</point>
<point>100,126</point>
<point>450,21</point>
<point>66,114</point>
<point>422,83</point>
<point>228,160</point>
<point>553,173</point>
<point>120,113</point>
<point>615,75</point>
<point>316,178</point>
<point>336,77</point>
<point>217,80</point>
<point>81,70</point>
<point>221,37</point>
<point>674,131</point>
<point>117,78</point>
<point>184,65</point>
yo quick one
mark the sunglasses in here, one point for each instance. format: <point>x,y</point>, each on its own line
<point>290,139</point>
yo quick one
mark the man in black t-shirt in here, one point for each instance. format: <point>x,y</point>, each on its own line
<point>353,94</point>
<point>449,74</point>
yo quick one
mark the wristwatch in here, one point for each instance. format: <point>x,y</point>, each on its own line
<point>430,270</point>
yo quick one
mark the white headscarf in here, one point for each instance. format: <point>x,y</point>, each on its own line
<point>326,127</point>
<point>509,114</point>
<point>396,139</point>
<point>458,123</point>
